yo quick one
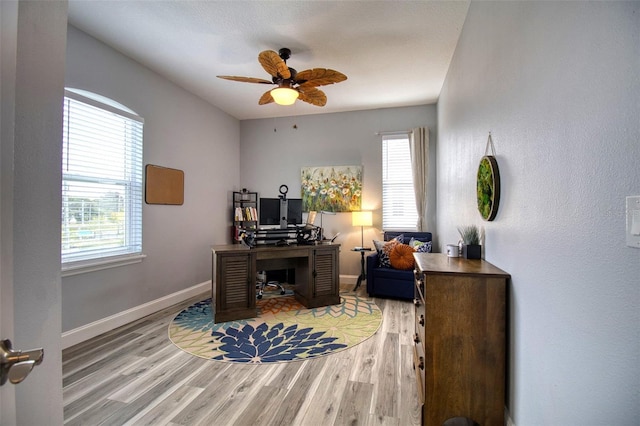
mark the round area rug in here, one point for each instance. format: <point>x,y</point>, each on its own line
<point>283,331</point>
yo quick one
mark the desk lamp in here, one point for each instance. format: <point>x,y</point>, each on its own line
<point>361,219</point>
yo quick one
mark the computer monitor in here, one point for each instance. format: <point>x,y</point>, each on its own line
<point>271,214</point>
<point>269,211</point>
<point>294,211</point>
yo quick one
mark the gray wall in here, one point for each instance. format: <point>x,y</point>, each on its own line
<point>181,131</point>
<point>557,84</point>
<point>272,152</point>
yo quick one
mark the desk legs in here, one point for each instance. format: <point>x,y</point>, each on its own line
<point>363,274</point>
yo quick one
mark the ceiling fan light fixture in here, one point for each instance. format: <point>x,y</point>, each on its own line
<point>284,95</point>
<point>287,79</point>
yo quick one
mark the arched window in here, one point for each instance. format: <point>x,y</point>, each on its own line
<point>101,183</point>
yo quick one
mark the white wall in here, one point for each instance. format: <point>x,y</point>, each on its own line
<point>557,84</point>
<point>181,131</point>
<point>272,153</point>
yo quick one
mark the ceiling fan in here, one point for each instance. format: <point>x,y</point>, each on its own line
<point>291,85</point>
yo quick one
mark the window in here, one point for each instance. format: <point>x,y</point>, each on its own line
<point>398,199</point>
<point>101,182</point>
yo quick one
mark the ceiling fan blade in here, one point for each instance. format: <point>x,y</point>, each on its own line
<point>320,77</point>
<point>266,98</point>
<point>312,96</point>
<point>245,79</point>
<point>273,64</point>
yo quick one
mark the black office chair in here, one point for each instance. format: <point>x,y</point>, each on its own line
<point>262,283</point>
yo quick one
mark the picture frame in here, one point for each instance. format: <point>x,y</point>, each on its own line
<point>331,188</point>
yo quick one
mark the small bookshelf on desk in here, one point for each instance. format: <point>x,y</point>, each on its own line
<point>245,213</point>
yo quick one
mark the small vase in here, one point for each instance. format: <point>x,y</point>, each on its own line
<point>472,251</point>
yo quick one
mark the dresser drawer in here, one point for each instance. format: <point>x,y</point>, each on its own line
<point>418,283</point>
<point>420,318</point>
<point>418,344</point>
<point>418,365</point>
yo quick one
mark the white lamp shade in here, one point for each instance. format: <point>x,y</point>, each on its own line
<point>361,218</point>
<point>284,95</point>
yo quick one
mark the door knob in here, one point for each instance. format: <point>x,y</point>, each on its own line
<point>16,365</point>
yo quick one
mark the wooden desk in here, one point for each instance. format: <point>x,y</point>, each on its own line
<point>460,346</point>
<point>234,268</point>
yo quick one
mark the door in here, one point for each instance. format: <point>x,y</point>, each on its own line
<point>324,272</point>
<point>8,22</point>
<point>7,392</point>
<point>32,52</point>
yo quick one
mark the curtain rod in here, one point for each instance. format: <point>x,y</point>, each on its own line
<point>397,132</point>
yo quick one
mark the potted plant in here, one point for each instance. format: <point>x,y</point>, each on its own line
<point>471,248</point>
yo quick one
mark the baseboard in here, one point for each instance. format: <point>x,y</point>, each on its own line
<point>348,279</point>
<point>96,328</point>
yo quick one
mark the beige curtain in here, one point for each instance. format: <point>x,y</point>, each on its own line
<point>419,148</point>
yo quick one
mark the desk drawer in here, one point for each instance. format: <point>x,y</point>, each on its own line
<point>281,253</point>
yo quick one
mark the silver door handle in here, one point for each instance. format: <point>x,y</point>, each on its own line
<point>16,365</point>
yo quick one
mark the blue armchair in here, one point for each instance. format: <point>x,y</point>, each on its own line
<point>389,282</point>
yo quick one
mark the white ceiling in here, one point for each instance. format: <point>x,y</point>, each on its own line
<point>394,53</point>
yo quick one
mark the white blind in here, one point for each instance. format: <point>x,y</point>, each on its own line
<point>101,181</point>
<point>398,200</point>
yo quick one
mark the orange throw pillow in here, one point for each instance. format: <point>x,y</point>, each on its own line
<point>401,257</point>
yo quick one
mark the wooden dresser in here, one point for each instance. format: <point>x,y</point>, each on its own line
<point>460,342</point>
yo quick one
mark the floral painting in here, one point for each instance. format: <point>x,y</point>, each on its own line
<point>332,188</point>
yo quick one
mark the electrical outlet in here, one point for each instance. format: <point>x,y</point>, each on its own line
<point>633,221</point>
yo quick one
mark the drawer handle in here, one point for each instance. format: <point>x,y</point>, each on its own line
<point>416,338</point>
<point>421,320</point>
<point>421,363</point>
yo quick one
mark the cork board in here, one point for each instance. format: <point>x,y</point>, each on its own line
<point>164,185</point>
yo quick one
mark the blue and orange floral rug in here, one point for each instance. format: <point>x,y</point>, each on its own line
<point>283,331</point>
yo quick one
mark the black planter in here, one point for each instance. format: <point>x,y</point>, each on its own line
<point>472,251</point>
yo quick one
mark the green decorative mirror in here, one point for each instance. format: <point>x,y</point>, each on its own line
<point>488,185</point>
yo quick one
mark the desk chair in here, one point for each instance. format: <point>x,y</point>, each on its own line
<point>261,283</point>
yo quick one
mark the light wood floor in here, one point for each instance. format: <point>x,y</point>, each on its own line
<point>135,375</point>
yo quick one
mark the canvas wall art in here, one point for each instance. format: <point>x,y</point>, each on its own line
<point>332,188</point>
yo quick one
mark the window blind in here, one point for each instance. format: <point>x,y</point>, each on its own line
<point>398,200</point>
<point>101,181</point>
